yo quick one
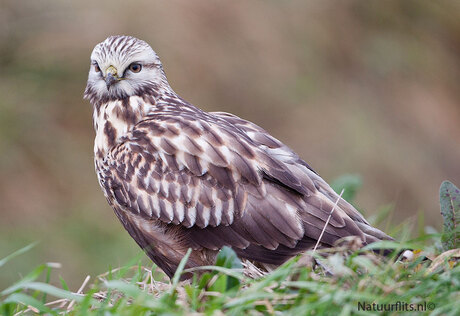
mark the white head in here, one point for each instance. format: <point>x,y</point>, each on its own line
<point>123,66</point>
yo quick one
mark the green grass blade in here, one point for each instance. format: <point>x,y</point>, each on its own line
<point>180,268</point>
<point>449,197</point>
<point>52,290</point>
<point>17,253</point>
<point>26,300</point>
<point>32,276</point>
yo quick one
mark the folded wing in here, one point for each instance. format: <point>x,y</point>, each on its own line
<point>226,181</point>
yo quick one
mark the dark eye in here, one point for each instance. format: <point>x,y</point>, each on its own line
<point>96,68</point>
<point>135,67</point>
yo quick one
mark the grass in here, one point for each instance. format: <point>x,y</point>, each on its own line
<point>344,280</point>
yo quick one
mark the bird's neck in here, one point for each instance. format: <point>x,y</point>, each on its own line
<point>114,119</point>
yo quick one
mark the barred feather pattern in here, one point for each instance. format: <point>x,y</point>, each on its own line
<point>178,177</point>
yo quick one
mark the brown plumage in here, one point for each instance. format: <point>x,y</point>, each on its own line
<point>178,177</point>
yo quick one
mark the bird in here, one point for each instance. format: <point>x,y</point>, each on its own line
<point>180,178</point>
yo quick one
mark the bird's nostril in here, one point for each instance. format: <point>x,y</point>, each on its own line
<point>110,80</point>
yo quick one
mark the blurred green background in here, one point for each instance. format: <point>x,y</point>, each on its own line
<point>365,87</point>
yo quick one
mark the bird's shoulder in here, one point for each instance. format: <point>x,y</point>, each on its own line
<point>214,140</point>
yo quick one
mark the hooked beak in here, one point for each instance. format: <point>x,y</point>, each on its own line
<point>111,76</point>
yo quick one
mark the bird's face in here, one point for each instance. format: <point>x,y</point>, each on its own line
<point>123,66</point>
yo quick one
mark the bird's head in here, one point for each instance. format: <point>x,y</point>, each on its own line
<point>123,66</point>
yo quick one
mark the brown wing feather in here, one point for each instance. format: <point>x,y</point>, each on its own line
<point>227,182</point>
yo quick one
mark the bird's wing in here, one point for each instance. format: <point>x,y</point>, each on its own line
<point>290,159</point>
<point>279,151</point>
<point>207,172</point>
